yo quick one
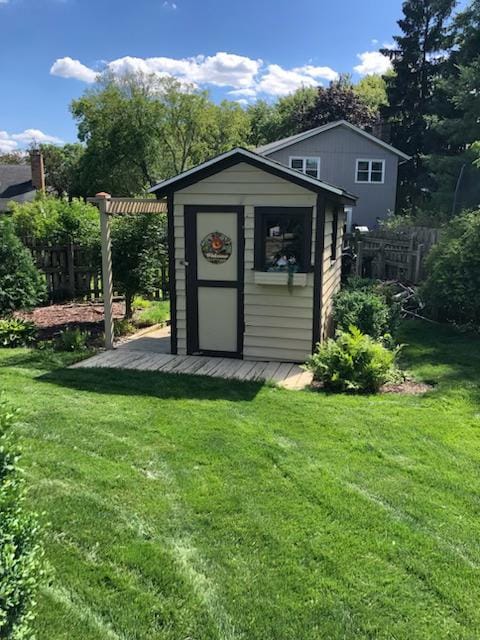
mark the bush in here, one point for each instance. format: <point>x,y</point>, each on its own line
<point>450,291</point>
<point>352,362</point>
<point>21,284</point>
<point>363,309</point>
<point>122,327</point>
<point>57,221</point>
<point>21,556</point>
<point>16,333</point>
<point>156,313</point>
<point>72,340</point>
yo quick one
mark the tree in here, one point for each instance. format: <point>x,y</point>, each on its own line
<point>138,129</point>
<point>21,553</point>
<point>138,252</point>
<point>13,157</point>
<point>418,60</point>
<point>56,220</point>
<point>338,101</point>
<point>264,123</point>
<point>62,167</point>
<point>21,285</point>
<point>372,90</point>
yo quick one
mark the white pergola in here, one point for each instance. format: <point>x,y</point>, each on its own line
<point>108,207</point>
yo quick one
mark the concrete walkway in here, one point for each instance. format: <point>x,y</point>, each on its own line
<point>149,351</point>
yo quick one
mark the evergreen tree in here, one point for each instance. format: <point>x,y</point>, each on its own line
<point>419,59</point>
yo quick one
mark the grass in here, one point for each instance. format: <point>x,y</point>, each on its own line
<point>185,507</point>
<point>151,312</point>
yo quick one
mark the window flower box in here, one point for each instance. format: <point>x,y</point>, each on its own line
<point>280,278</point>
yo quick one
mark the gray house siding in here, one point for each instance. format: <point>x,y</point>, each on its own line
<point>338,150</point>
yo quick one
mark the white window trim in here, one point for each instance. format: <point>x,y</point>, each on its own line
<point>304,164</point>
<point>369,160</point>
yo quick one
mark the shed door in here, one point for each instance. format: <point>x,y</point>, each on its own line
<point>214,257</point>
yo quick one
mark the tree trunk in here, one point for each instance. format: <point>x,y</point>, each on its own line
<point>128,305</point>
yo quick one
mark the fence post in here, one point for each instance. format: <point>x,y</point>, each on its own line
<point>359,258</point>
<point>418,263</point>
<point>381,263</point>
<point>103,199</point>
<point>71,269</point>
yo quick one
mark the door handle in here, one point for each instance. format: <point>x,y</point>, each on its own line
<point>184,263</point>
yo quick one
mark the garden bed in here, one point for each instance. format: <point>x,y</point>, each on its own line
<point>86,316</point>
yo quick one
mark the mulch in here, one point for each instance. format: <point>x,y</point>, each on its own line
<point>56,317</point>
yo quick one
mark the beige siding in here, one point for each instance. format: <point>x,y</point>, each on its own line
<point>331,270</point>
<point>278,321</point>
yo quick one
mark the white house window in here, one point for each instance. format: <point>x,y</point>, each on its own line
<point>370,171</point>
<point>309,166</point>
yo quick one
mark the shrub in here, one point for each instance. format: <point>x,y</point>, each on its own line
<point>21,555</point>
<point>21,284</point>
<point>57,221</point>
<point>122,327</point>
<point>156,313</point>
<point>352,362</point>
<point>450,291</point>
<point>15,332</point>
<point>363,309</point>
<point>72,340</point>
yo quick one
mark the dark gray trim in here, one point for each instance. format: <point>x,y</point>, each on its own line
<point>259,233</point>
<point>172,274</point>
<point>236,158</point>
<point>318,270</point>
<point>192,282</point>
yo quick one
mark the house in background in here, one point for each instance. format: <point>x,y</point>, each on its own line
<point>20,182</point>
<point>343,154</point>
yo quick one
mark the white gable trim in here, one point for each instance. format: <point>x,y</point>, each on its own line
<point>287,142</point>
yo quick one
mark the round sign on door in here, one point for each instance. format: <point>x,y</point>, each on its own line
<point>216,247</point>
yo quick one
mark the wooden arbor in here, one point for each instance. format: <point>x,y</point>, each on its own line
<point>108,207</point>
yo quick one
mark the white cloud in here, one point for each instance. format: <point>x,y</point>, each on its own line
<point>4,1</point>
<point>169,5</point>
<point>372,62</point>
<point>69,68</point>
<point>15,141</point>
<point>6,143</point>
<point>246,77</point>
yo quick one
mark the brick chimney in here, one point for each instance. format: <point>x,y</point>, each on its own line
<point>38,171</point>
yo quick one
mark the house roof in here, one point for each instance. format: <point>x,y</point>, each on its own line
<point>286,142</point>
<point>15,184</point>
<point>238,154</point>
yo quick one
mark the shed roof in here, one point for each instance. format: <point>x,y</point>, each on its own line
<point>15,183</point>
<point>286,142</point>
<point>238,154</point>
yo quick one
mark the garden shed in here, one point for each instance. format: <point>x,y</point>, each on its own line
<point>255,250</point>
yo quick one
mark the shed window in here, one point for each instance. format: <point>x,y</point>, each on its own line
<point>370,171</point>
<point>283,239</point>
<point>309,166</point>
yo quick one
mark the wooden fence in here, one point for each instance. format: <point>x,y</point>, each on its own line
<point>74,272</point>
<point>395,255</point>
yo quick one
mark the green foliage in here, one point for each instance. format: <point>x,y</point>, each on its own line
<point>15,332</point>
<point>138,129</point>
<point>338,101</point>
<point>372,89</point>
<point>138,252</point>
<point>21,555</point>
<point>71,340</point>
<point>352,362</point>
<point>154,313</point>
<point>122,327</point>
<point>417,61</point>
<point>62,168</point>
<point>453,266</point>
<point>21,284</point>
<point>57,221</point>
<point>362,308</point>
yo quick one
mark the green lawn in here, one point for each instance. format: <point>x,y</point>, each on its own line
<point>192,508</point>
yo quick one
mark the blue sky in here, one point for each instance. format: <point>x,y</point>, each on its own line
<point>50,50</point>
